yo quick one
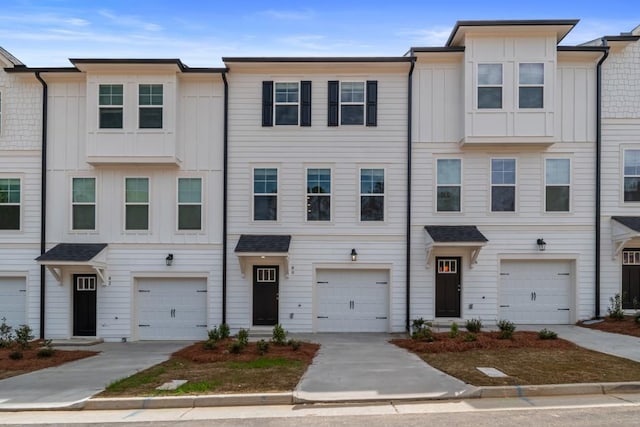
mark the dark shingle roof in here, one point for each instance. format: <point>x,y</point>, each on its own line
<point>633,222</point>
<point>455,233</point>
<point>263,243</point>
<point>72,252</point>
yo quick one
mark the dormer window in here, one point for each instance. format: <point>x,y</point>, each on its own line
<point>531,86</point>
<point>490,86</point>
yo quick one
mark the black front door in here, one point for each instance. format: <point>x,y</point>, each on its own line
<point>448,287</point>
<point>84,305</point>
<point>265,295</point>
<point>631,279</point>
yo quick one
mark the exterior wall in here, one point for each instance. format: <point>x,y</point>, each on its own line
<point>344,149</point>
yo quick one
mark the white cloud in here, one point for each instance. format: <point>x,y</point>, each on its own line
<point>130,21</point>
<point>288,15</point>
<point>436,36</point>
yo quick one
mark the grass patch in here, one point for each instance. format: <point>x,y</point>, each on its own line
<point>199,387</point>
<point>264,363</point>
<point>138,380</point>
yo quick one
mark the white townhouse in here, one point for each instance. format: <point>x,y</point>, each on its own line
<point>503,175</point>
<point>134,213</point>
<point>620,171</point>
<point>317,192</point>
<point>20,196</point>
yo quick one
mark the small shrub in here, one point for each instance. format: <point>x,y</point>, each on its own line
<point>224,331</point>
<point>45,352</point>
<point>294,344</point>
<point>243,337</point>
<point>6,334</point>
<point>15,355</point>
<point>507,329</point>
<point>23,336</point>
<point>454,330</point>
<point>421,330</point>
<point>469,337</point>
<point>210,344</point>
<point>262,346</point>
<point>473,325</point>
<point>214,334</point>
<point>615,310</point>
<point>279,336</point>
<point>236,347</point>
<point>547,334</point>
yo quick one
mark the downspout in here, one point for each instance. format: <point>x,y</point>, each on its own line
<point>43,198</point>
<point>598,170</point>
<point>224,196</point>
<point>408,231</point>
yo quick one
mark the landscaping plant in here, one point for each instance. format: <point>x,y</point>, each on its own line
<point>507,329</point>
<point>615,308</point>
<point>224,331</point>
<point>547,334</point>
<point>454,330</point>
<point>23,336</point>
<point>473,325</point>
<point>294,344</point>
<point>279,336</point>
<point>421,330</point>
<point>6,334</point>
<point>262,346</point>
<point>243,337</point>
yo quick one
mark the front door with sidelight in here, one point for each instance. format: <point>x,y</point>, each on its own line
<point>448,287</point>
<point>265,295</point>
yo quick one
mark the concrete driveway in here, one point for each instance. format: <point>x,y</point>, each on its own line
<point>77,381</point>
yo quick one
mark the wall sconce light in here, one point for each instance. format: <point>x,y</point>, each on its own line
<point>354,255</point>
<point>542,245</point>
<point>169,259</point>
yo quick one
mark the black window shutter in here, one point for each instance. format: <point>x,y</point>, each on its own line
<point>267,103</point>
<point>305,103</point>
<point>372,103</point>
<point>332,112</point>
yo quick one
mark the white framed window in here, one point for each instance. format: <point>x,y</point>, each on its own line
<point>265,194</point>
<point>83,203</point>
<point>266,274</point>
<point>136,203</point>
<point>86,283</point>
<point>447,266</point>
<point>531,85</point>
<point>631,257</point>
<point>490,86</point>
<point>10,203</point>
<point>318,194</point>
<point>631,175</point>
<point>503,185</point>
<point>372,194</point>
<point>150,102</point>
<point>449,185</point>
<point>287,102</point>
<point>557,185</point>
<point>352,103</point>
<point>189,203</point>
<point>110,101</point>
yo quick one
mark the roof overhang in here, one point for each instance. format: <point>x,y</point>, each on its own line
<point>623,229</point>
<point>318,64</point>
<point>253,248</point>
<point>454,236</point>
<point>559,27</point>
<point>63,255</point>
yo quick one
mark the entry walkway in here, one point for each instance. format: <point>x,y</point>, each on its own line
<point>365,366</point>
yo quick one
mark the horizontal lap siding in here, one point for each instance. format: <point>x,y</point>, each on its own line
<point>17,260</point>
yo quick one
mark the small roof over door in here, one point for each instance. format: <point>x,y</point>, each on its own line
<point>75,254</point>
<point>263,247</point>
<point>463,236</point>
<point>624,228</point>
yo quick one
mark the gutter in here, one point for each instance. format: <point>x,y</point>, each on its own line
<point>599,172</point>
<point>43,199</point>
<point>225,140</point>
<point>409,165</point>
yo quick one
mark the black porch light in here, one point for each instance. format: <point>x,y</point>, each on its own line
<point>542,245</point>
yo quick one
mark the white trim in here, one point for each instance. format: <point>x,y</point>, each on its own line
<point>532,85</point>
<point>514,185</point>
<point>148,204</point>
<point>144,106</point>
<point>569,184</point>
<point>298,104</point>
<point>178,204</point>
<point>383,195</point>
<point>478,86</point>
<point>624,175</point>
<point>20,204</point>
<point>363,103</point>
<point>461,186</point>
<point>307,195</point>
<point>253,194</point>
<point>120,129</point>
<point>94,204</point>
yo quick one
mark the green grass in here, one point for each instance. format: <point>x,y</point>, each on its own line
<point>198,387</point>
<point>136,380</point>
<point>265,363</point>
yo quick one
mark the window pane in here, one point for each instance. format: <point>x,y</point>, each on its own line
<point>449,171</point>
<point>448,199</point>
<point>632,162</point>
<point>352,92</point>
<point>318,208</point>
<point>503,171</point>
<point>110,118</point>
<point>503,199</point>
<point>137,217</point>
<point>352,114</point>
<point>319,181</point>
<point>189,217</point>
<point>489,97</point>
<point>137,190</point>
<point>9,217</point>
<point>84,217</point>
<point>531,74</point>
<point>9,190</point>
<point>632,189</point>
<point>150,95</point>
<point>286,92</point>
<point>372,181</point>
<point>265,208</point>
<point>110,95</point>
<point>557,199</point>
<point>557,171</point>
<point>372,208</point>
<point>189,190</point>
<point>286,114</point>
<point>150,118</point>
<point>84,190</point>
<point>531,97</point>
<point>265,181</point>
<point>490,74</point>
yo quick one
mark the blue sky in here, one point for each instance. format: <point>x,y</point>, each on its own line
<point>47,32</point>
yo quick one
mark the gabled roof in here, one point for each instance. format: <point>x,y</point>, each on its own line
<point>263,243</point>
<point>78,252</point>
<point>632,222</point>
<point>9,57</point>
<point>455,233</point>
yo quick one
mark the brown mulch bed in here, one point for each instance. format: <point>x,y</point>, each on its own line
<point>31,362</point>
<point>197,352</point>
<point>626,326</point>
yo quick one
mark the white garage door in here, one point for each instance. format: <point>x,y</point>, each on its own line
<point>352,300</point>
<point>171,309</point>
<point>536,292</point>
<point>13,297</point>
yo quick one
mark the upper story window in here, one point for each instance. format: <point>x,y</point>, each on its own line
<point>136,203</point>
<point>631,175</point>
<point>288,102</point>
<point>489,85</point>
<point>503,185</point>
<point>150,106</point>
<point>372,195</point>
<point>352,103</point>
<point>318,194</point>
<point>110,100</point>
<point>189,203</point>
<point>10,200</point>
<point>83,204</point>
<point>265,194</point>
<point>531,85</point>
<point>557,185</point>
<point>449,188</point>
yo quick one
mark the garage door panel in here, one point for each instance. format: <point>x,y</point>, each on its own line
<point>13,297</point>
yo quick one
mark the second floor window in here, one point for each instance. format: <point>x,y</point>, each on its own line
<point>318,194</point>
<point>632,175</point>
<point>189,203</point>
<point>83,199</point>
<point>265,194</point>
<point>503,185</point>
<point>372,195</point>
<point>150,100</point>
<point>286,103</point>
<point>352,103</point>
<point>449,187</point>
<point>10,199</point>
<point>531,86</point>
<point>489,85</point>
<point>557,185</point>
<point>110,101</point>
<point>136,203</point>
